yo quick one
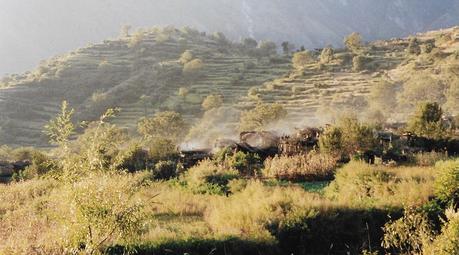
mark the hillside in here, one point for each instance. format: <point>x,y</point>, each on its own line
<point>312,23</point>
<point>141,73</point>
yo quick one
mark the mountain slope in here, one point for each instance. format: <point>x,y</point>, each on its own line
<point>57,26</point>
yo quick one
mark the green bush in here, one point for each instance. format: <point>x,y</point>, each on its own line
<point>447,181</point>
<point>165,170</point>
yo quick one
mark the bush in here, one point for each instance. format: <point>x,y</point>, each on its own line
<point>208,177</point>
<point>193,67</point>
<point>359,63</point>
<point>301,59</point>
<point>408,234</point>
<point>361,185</point>
<point>448,241</point>
<point>261,116</point>
<point>165,170</point>
<point>447,181</point>
<point>428,158</point>
<point>212,101</point>
<point>308,167</point>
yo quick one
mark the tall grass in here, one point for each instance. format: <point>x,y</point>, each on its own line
<point>307,167</point>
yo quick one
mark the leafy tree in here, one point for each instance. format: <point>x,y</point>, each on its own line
<point>125,30</point>
<point>421,88</point>
<point>193,67</point>
<point>326,56</point>
<point>261,116</point>
<point>183,93</point>
<point>301,59</point>
<point>61,128</point>
<point>186,57</point>
<point>136,39</point>
<point>413,46</point>
<point>427,121</point>
<point>358,63</point>
<point>212,101</point>
<point>168,125</point>
<point>382,96</point>
<point>287,47</point>
<point>268,48</point>
<point>353,41</point>
<point>331,141</point>
<point>250,43</point>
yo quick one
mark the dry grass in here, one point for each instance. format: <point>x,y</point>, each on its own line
<point>309,167</point>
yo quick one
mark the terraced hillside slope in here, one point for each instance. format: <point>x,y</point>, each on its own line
<point>170,69</point>
<point>139,73</point>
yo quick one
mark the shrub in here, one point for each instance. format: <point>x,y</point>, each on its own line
<point>212,101</point>
<point>301,59</point>
<point>413,46</point>
<point>309,167</point>
<point>427,121</point>
<point>408,234</point>
<point>353,41</point>
<point>165,170</point>
<point>251,212</point>
<point>208,177</point>
<point>261,116</point>
<point>186,57</point>
<point>193,67</point>
<point>326,56</point>
<point>447,181</point>
<point>448,241</point>
<point>361,185</point>
<point>359,63</point>
<point>165,125</point>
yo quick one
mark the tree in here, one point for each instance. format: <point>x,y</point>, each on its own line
<point>261,116</point>
<point>353,41</point>
<point>427,121</point>
<point>61,128</point>
<point>331,141</point>
<point>268,48</point>
<point>125,30</point>
<point>421,88</point>
<point>249,43</point>
<point>287,47</point>
<point>193,67</point>
<point>136,39</point>
<point>168,125</point>
<point>326,56</point>
<point>301,59</point>
<point>413,46</point>
<point>212,101</point>
<point>183,93</point>
<point>186,57</point>
<point>382,96</point>
<point>358,63</point>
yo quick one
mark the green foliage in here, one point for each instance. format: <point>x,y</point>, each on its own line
<point>161,149</point>
<point>447,181</point>
<point>209,177</point>
<point>408,234</point>
<point>61,128</point>
<point>421,88</point>
<point>447,242</point>
<point>165,170</point>
<point>427,121</point>
<point>267,48</point>
<point>301,59</point>
<point>168,125</point>
<point>261,116</point>
<point>247,164</point>
<point>101,211</point>
<point>249,43</point>
<point>331,141</point>
<point>287,47</point>
<point>212,101</point>
<point>382,96</point>
<point>353,41</point>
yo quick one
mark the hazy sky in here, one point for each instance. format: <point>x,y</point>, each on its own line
<point>34,30</point>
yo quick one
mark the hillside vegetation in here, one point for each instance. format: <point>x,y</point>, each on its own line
<point>169,69</point>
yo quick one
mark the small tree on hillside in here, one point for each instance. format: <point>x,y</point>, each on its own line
<point>427,121</point>
<point>287,47</point>
<point>186,57</point>
<point>358,63</point>
<point>193,67</point>
<point>249,43</point>
<point>212,101</point>
<point>413,46</point>
<point>268,48</point>
<point>301,59</point>
<point>353,41</point>
<point>183,93</point>
<point>331,141</point>
<point>326,56</point>
<point>261,116</point>
<point>61,128</point>
<point>168,125</point>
